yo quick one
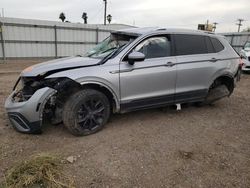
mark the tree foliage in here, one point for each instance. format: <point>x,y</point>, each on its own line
<point>62,16</point>
<point>85,17</point>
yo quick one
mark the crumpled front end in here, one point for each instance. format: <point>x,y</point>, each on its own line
<point>25,108</point>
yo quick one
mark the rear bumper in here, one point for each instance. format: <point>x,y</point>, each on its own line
<point>246,65</point>
<point>27,116</point>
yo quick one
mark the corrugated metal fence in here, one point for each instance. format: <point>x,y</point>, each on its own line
<point>237,40</point>
<point>23,38</point>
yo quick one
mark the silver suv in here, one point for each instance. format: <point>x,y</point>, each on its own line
<point>130,70</point>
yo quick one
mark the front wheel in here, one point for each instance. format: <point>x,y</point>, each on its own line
<point>86,112</point>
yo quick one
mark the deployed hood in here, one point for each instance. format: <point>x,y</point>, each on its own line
<point>58,65</point>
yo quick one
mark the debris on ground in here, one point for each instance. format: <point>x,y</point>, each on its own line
<point>185,154</point>
<point>43,170</point>
<point>71,159</point>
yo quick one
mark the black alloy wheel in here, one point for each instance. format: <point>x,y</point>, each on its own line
<point>86,112</point>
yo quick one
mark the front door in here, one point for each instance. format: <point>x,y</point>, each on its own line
<point>151,82</point>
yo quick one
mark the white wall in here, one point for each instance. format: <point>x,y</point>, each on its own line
<point>36,38</point>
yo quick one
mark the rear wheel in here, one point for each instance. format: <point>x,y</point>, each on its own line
<point>217,91</point>
<point>86,112</point>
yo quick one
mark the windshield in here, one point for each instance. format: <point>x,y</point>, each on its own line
<point>110,44</point>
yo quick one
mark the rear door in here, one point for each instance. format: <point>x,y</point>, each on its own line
<point>150,82</point>
<point>196,64</point>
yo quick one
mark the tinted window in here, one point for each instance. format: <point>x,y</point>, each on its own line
<point>217,44</point>
<point>190,44</point>
<point>210,48</point>
<point>155,47</point>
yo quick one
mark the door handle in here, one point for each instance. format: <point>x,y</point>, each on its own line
<point>169,64</point>
<point>213,60</point>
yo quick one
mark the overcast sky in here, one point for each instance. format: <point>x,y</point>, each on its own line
<point>164,13</point>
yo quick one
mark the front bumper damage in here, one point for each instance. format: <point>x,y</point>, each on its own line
<point>27,116</point>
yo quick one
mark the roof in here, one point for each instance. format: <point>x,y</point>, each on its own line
<point>136,31</point>
<point>144,30</point>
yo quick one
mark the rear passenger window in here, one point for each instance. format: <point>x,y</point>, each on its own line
<point>190,44</point>
<point>217,44</point>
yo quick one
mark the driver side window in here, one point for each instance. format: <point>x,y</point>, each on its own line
<point>155,47</point>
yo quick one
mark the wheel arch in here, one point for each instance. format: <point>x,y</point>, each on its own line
<point>106,90</point>
<point>227,80</point>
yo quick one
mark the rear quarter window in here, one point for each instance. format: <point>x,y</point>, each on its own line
<point>217,44</point>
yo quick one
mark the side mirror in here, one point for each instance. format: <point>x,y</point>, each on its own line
<point>134,57</point>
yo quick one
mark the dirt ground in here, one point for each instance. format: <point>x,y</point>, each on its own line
<point>195,147</point>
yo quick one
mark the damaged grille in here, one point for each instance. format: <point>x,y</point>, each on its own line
<point>30,85</point>
<point>26,87</point>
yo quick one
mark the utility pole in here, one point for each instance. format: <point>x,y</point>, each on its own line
<point>214,27</point>
<point>240,23</point>
<point>105,11</point>
<point>3,12</point>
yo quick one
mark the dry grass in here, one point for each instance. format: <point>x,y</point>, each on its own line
<point>40,171</point>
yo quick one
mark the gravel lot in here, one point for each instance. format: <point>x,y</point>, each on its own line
<point>195,147</point>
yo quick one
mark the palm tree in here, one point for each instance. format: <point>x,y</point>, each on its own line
<point>109,18</point>
<point>85,17</point>
<point>62,16</point>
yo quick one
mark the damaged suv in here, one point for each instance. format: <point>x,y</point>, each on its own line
<point>132,69</point>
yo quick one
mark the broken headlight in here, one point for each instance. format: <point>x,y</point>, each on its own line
<point>27,86</point>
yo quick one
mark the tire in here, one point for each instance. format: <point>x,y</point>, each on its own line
<point>86,112</point>
<point>216,92</point>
